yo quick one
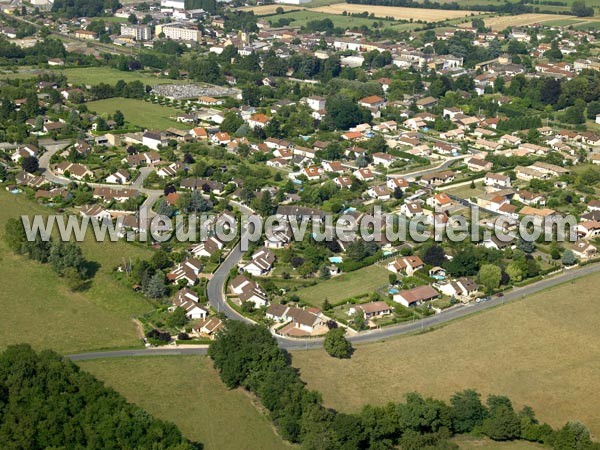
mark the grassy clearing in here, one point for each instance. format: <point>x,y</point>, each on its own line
<point>38,308</point>
<point>207,411</point>
<point>542,352</point>
<point>351,284</point>
<point>302,17</point>
<point>140,113</point>
<point>97,75</point>
<point>472,443</point>
<point>397,12</point>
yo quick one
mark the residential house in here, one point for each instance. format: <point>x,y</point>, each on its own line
<point>261,262</point>
<point>187,270</point>
<point>406,264</point>
<point>416,296</point>
<point>371,310</point>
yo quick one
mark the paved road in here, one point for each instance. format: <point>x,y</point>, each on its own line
<point>216,298</point>
<point>419,173</point>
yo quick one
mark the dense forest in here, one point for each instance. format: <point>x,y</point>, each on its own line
<point>248,356</point>
<point>48,402</point>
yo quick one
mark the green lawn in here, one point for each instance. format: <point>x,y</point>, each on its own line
<point>187,391</point>
<point>140,113</point>
<point>38,308</point>
<point>363,281</point>
<point>97,75</point>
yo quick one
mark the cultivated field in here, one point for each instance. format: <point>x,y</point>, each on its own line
<point>400,13</point>
<point>140,113</point>
<point>543,351</point>
<point>38,308</point>
<point>501,22</point>
<point>303,16</point>
<point>187,391</point>
<point>362,281</point>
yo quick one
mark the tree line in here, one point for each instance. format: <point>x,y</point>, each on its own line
<point>65,258</point>
<point>47,402</point>
<point>248,356</point>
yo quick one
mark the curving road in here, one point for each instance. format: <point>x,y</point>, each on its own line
<point>217,299</point>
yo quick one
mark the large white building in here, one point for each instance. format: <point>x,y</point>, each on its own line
<point>138,32</point>
<point>179,32</point>
<point>292,2</point>
<point>175,4</point>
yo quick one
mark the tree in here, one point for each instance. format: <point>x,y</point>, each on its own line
<point>580,9</point>
<point>30,164</point>
<point>514,272</point>
<point>326,305</point>
<point>434,255</point>
<point>14,234</point>
<point>336,343</point>
<point>156,286</point>
<point>526,246</point>
<point>344,113</point>
<point>490,276</point>
<point>132,19</point>
<point>502,422</point>
<point>67,255</point>
<point>119,118</point>
<point>572,436</point>
<point>177,318</point>
<point>568,258</point>
<point>467,411</point>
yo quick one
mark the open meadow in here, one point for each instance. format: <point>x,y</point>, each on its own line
<point>346,285</point>
<point>140,113</point>
<point>499,23</point>
<point>543,351</point>
<point>397,12</point>
<point>187,391</point>
<point>38,308</point>
<point>97,75</point>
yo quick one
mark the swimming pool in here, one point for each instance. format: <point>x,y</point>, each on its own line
<point>393,291</point>
<point>336,259</point>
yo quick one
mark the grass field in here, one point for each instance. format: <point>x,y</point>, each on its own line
<point>38,308</point>
<point>186,390</point>
<point>303,16</point>
<point>543,352</point>
<point>473,443</point>
<point>97,75</point>
<point>501,22</point>
<point>140,113</point>
<point>344,286</point>
<point>427,15</point>
<point>270,9</point>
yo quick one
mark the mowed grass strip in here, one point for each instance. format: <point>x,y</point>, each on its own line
<point>140,113</point>
<point>187,391</point>
<point>346,285</point>
<point>37,307</point>
<point>543,351</point>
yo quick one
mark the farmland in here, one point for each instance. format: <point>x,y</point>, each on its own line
<point>398,13</point>
<point>542,352</point>
<point>194,398</point>
<point>501,22</point>
<point>41,310</point>
<point>140,113</point>
<point>362,281</point>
